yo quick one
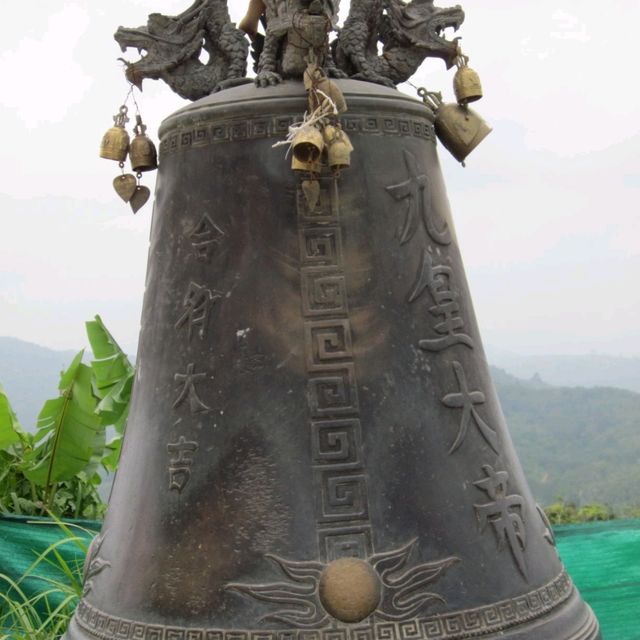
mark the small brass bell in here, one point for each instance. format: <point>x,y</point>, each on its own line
<point>310,167</point>
<point>142,151</point>
<point>460,129</point>
<point>466,85</point>
<point>115,142</point>
<point>466,82</point>
<point>308,144</point>
<point>457,127</point>
<point>339,148</point>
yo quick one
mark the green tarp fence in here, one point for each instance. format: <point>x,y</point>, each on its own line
<point>602,558</point>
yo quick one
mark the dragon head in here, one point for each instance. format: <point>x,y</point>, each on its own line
<point>164,43</point>
<point>422,25</point>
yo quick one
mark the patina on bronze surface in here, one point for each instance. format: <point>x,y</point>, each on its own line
<point>311,387</point>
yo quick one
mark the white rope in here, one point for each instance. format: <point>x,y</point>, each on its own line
<point>326,108</point>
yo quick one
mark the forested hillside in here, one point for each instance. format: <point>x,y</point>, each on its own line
<point>579,443</point>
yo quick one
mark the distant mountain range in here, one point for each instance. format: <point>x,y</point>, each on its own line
<point>589,370</point>
<point>580,440</point>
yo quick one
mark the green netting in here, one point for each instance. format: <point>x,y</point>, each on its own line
<point>604,562</point>
<point>22,541</point>
<point>602,558</point>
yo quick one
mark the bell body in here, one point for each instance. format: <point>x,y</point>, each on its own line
<point>308,144</point>
<point>466,85</point>
<point>460,129</point>
<point>142,153</point>
<point>339,147</point>
<point>315,449</point>
<point>115,144</point>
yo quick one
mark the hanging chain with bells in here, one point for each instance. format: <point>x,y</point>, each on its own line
<point>458,128</point>
<point>116,145</point>
<point>321,140</point>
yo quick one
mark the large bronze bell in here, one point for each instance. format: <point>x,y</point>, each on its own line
<point>142,151</point>
<point>315,449</point>
<point>115,142</point>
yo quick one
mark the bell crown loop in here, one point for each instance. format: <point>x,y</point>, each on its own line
<point>121,118</point>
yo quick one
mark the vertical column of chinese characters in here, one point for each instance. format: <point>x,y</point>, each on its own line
<point>434,287</point>
<point>192,325</point>
<point>340,479</point>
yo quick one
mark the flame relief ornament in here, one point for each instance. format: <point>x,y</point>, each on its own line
<point>386,585</point>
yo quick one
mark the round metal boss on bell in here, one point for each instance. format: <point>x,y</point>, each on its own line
<point>115,142</point>
<point>466,85</point>
<point>142,152</point>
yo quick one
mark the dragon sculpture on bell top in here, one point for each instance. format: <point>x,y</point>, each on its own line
<point>201,51</point>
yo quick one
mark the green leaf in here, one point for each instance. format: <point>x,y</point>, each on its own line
<point>69,431</point>
<point>112,454</point>
<point>9,425</point>
<point>111,365</point>
<point>113,375</point>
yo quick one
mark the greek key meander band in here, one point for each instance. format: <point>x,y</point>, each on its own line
<point>340,479</point>
<point>232,130</point>
<point>458,625</point>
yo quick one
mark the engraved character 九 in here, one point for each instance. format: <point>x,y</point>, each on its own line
<point>503,514</point>
<point>198,303</point>
<point>417,203</point>
<point>437,280</point>
<point>188,391</point>
<point>180,463</point>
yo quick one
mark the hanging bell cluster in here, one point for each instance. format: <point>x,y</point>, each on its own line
<point>117,145</point>
<point>459,128</point>
<point>320,141</point>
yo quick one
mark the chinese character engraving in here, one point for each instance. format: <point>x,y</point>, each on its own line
<point>416,203</point>
<point>436,279</point>
<point>180,462</point>
<point>467,401</point>
<point>198,303</point>
<point>205,235</point>
<point>502,514</point>
<point>188,389</point>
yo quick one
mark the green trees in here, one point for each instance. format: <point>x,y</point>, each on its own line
<point>56,469</point>
<point>561,512</point>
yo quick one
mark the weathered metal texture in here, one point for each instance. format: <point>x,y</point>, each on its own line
<point>311,386</point>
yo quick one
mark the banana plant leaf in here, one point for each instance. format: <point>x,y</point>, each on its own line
<point>113,374</point>
<point>9,425</point>
<point>112,454</point>
<point>70,436</point>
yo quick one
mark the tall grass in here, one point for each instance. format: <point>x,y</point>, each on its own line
<point>45,615</point>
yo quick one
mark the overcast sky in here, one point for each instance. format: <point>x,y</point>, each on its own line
<point>546,211</point>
